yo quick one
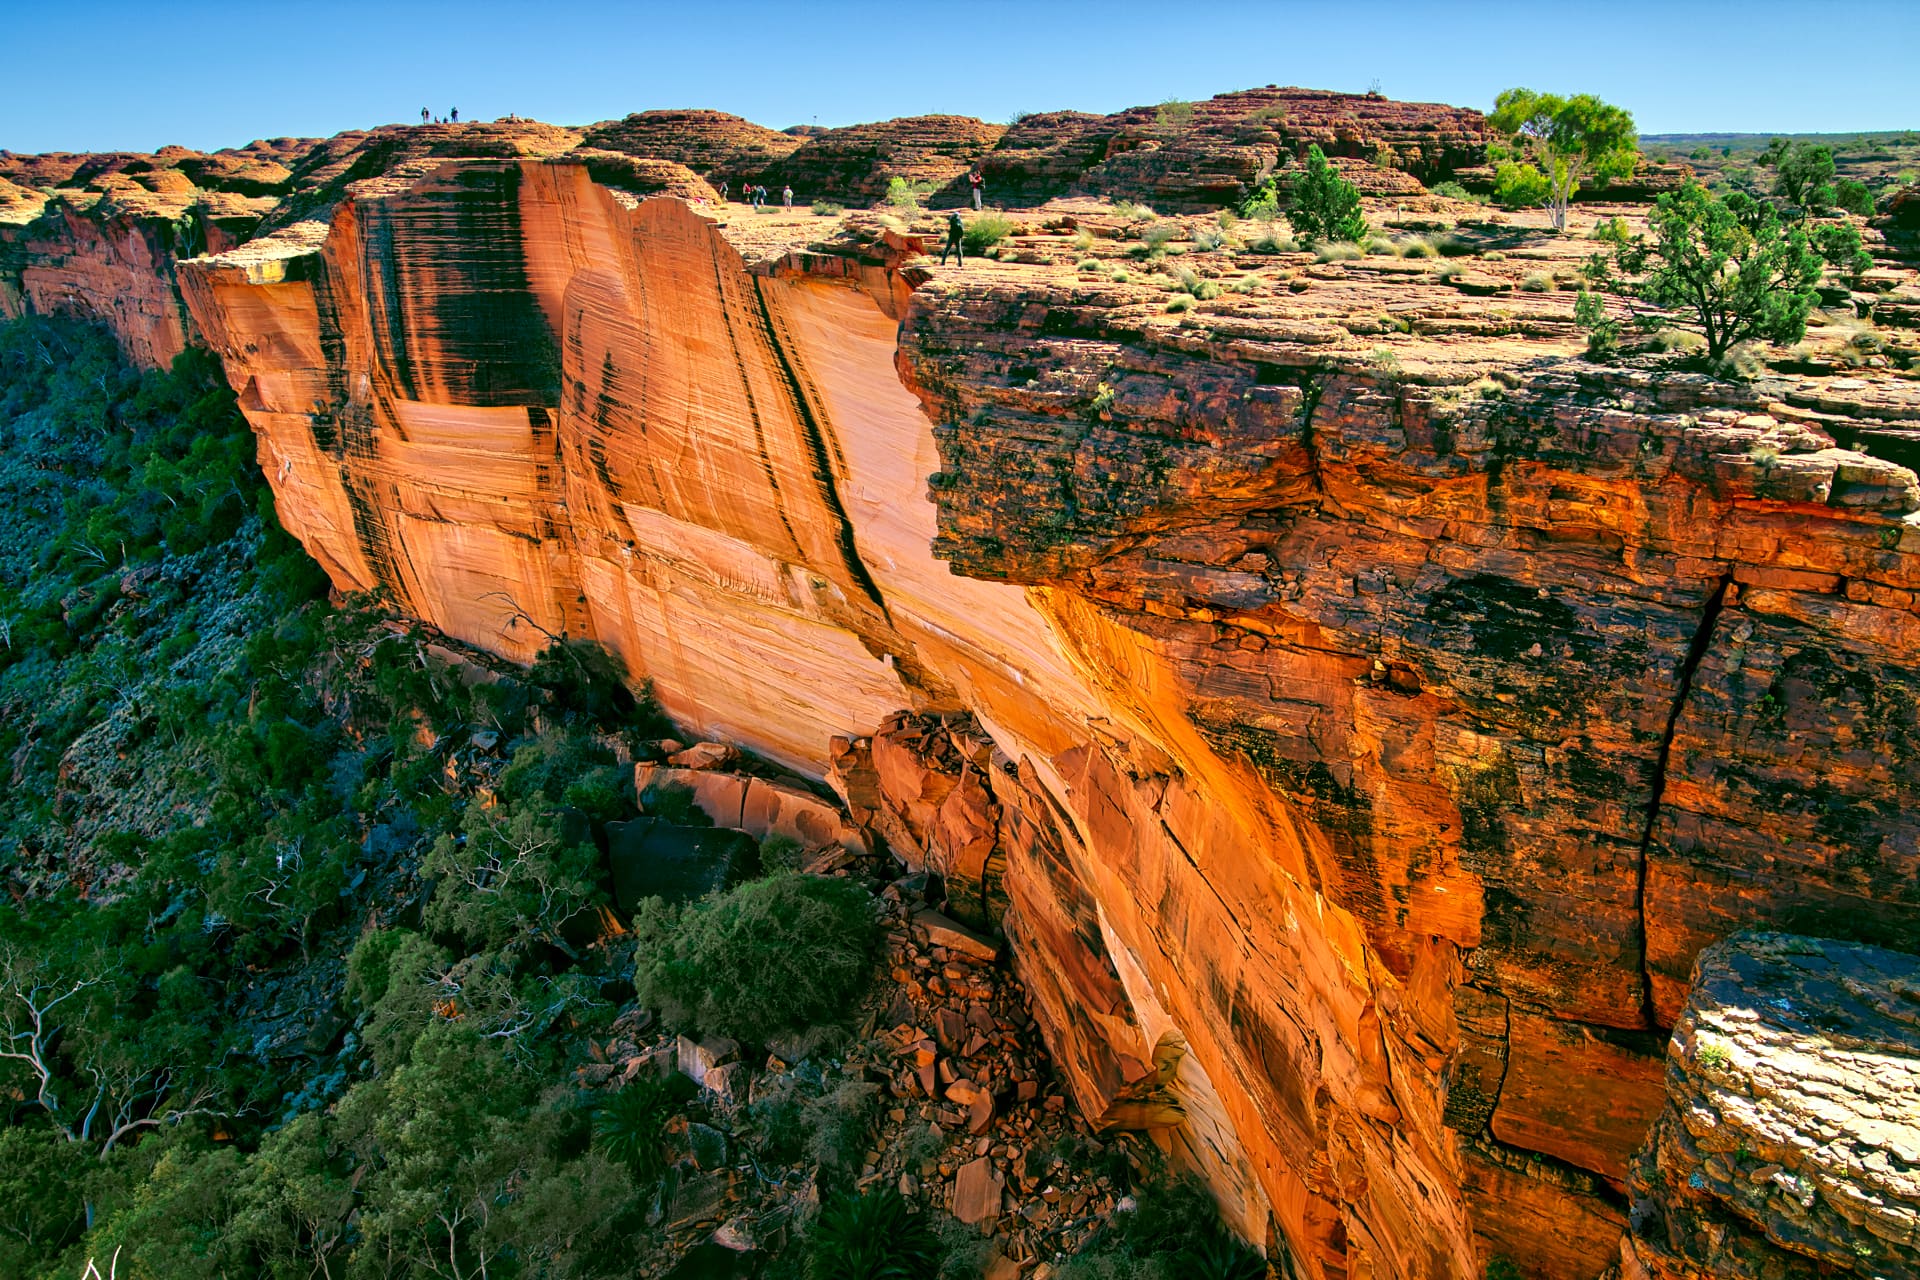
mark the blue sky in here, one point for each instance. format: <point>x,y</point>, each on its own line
<point>91,76</point>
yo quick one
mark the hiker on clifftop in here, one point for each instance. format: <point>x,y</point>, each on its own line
<point>786,196</point>
<point>425,115</point>
<point>956,230</point>
<point>976,180</point>
<point>454,115</point>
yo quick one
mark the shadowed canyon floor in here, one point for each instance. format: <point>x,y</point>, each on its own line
<point>1357,709</point>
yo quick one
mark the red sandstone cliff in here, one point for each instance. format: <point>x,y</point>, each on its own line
<point>1357,749</point>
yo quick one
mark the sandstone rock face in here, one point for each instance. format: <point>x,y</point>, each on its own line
<point>1207,154</point>
<point>1790,1144</point>
<point>1354,753</point>
<point>715,145</point>
<point>855,164</point>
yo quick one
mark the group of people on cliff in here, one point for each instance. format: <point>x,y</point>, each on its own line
<point>755,195</point>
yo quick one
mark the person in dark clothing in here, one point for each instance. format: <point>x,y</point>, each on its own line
<point>425,115</point>
<point>956,231</point>
<point>454,115</point>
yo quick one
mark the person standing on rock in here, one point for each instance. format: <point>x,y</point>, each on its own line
<point>956,231</point>
<point>976,180</point>
<point>425,115</point>
<point>723,191</point>
<point>454,115</point>
<point>786,195</point>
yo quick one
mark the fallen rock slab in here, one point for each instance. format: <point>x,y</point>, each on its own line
<point>1790,1143</point>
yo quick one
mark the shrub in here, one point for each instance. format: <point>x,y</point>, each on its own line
<point>1853,196</point>
<point>1181,303</point>
<point>1418,247</point>
<point>1262,203</point>
<point>779,852</point>
<point>628,1125</point>
<point>1272,240</point>
<point>985,231</point>
<point>1174,114</point>
<point>1603,333</point>
<point>1338,251</point>
<point>1838,244</point>
<point>1198,286</point>
<point>1610,230</point>
<point>1453,191</point>
<point>875,1236</point>
<point>828,1129</point>
<point>902,196</point>
<point>1207,239</point>
<point>1536,282</point>
<point>1712,1055</point>
<point>1133,212</point>
<point>827,209</point>
<point>1157,236</point>
<point>771,956</point>
<point>1325,206</point>
<point>1175,1230</point>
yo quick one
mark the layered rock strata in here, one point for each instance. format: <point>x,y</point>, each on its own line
<point>1356,753</point>
<point>1790,1143</point>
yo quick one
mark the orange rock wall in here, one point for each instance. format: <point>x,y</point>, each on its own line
<point>118,270</point>
<point>1311,736</point>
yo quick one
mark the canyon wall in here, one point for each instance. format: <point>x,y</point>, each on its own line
<point>1356,750</point>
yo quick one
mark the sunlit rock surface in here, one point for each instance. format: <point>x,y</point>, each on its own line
<point>1356,710</point>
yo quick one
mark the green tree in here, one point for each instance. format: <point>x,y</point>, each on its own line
<point>1838,244</point>
<point>1325,206</point>
<point>1804,175</point>
<point>1853,196</point>
<point>1729,267</point>
<point>1565,141</point>
<point>774,955</point>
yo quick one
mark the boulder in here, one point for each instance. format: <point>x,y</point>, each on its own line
<point>977,1191</point>
<point>704,755</point>
<point>698,1059</point>
<point>1790,1143</point>
<point>955,937</point>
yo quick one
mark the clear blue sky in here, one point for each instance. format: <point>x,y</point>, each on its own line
<point>105,75</point>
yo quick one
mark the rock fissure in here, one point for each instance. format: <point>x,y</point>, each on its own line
<point>1696,652</point>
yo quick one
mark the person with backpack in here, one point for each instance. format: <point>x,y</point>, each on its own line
<point>786,195</point>
<point>956,232</point>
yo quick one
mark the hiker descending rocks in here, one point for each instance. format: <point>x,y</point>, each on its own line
<point>956,230</point>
